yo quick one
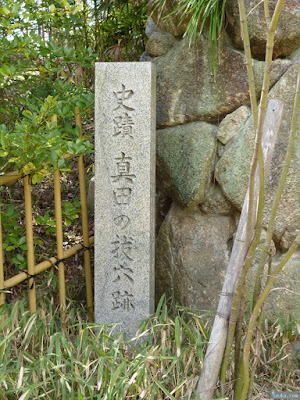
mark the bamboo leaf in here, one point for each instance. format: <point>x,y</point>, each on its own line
<point>177,336</point>
<point>24,395</point>
<point>164,389</point>
<point>116,375</point>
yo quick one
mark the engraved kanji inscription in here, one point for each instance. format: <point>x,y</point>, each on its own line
<point>124,301</point>
<point>123,169</point>
<point>123,125</point>
<point>122,248</point>
<point>122,221</point>
<point>123,271</point>
<point>125,122</point>
<point>122,195</point>
<point>122,96</point>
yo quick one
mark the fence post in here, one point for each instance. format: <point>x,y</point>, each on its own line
<point>29,242</point>
<point>85,227</point>
<point>59,242</point>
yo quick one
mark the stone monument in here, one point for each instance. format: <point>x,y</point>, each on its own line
<point>124,193</point>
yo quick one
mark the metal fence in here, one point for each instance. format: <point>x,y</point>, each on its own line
<point>32,269</point>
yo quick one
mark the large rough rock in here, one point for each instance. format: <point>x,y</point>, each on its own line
<point>185,160</point>
<point>173,23</point>
<point>160,43</point>
<point>231,124</point>
<point>232,170</point>
<point>287,37</point>
<point>192,254</point>
<point>187,89</point>
<point>215,202</point>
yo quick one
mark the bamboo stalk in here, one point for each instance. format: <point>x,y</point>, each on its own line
<point>239,331</point>
<point>59,245</point>
<point>257,352</point>
<point>266,80</point>
<point>53,121</point>
<point>29,242</point>
<point>267,12</point>
<point>85,226</point>
<point>258,115</point>
<point>15,280</point>
<point>230,336</point>
<point>254,108</point>
<point>276,201</point>
<point>215,350</point>
<point>10,177</point>
<point>272,125</point>
<point>260,302</point>
<point>239,364</point>
<point>259,121</point>
<point>235,304</point>
<point>248,56</point>
<point>2,294</point>
<point>59,240</point>
<point>270,281</point>
<point>238,373</point>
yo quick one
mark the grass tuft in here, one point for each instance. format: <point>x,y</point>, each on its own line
<point>203,16</point>
<point>89,361</point>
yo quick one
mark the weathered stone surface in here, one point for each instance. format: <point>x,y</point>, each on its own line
<point>124,193</point>
<point>295,348</point>
<point>295,56</point>
<point>145,57</point>
<point>284,298</point>
<point>220,149</point>
<point>187,90</point>
<point>160,43</point>
<point>185,159</point>
<point>173,23</point>
<point>191,257</point>
<point>162,206</point>
<point>215,202</point>
<point>287,37</point>
<point>91,196</point>
<point>151,27</point>
<point>231,124</point>
<point>289,234</point>
<point>232,170</point>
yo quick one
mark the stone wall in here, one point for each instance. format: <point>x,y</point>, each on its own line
<point>204,145</point>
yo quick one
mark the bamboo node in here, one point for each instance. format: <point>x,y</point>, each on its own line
<point>227,293</point>
<point>226,317</point>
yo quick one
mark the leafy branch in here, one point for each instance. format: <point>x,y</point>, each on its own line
<point>36,146</point>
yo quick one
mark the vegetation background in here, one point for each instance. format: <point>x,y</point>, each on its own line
<point>47,56</point>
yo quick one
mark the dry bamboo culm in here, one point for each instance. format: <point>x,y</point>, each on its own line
<point>32,269</point>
